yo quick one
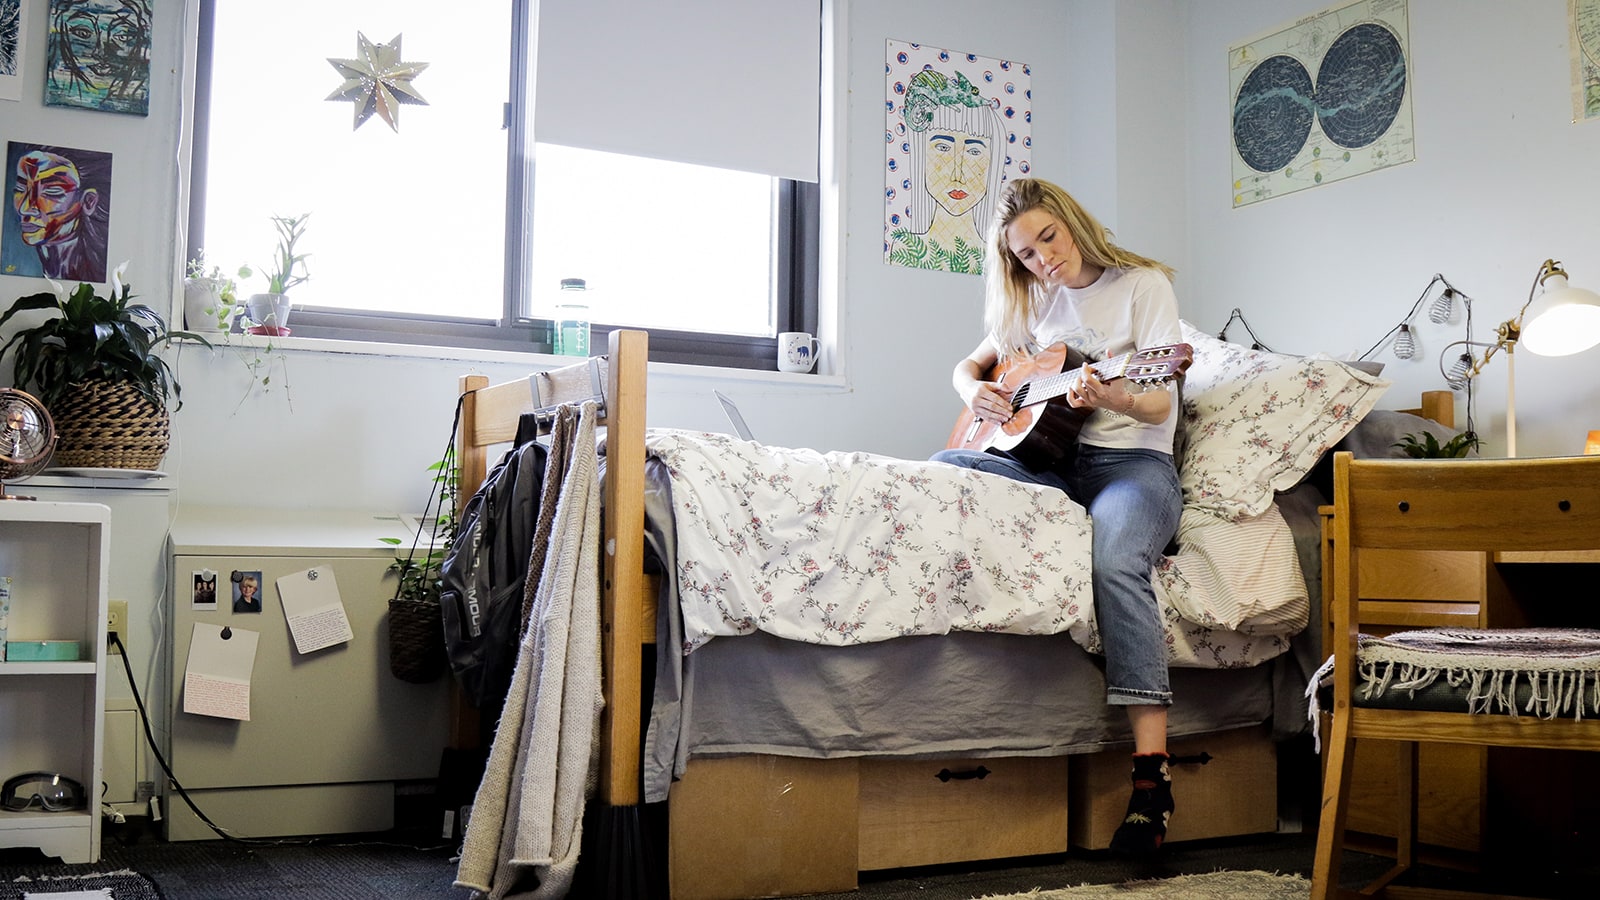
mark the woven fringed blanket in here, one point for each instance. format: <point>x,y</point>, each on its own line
<point>1559,666</point>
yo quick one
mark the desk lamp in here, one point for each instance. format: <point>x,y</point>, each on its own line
<point>1559,321</point>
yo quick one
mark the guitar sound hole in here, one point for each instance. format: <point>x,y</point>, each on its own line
<point>1020,398</point>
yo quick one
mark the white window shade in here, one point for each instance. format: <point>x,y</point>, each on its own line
<point>726,83</point>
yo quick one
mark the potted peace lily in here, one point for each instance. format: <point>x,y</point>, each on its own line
<point>269,311</point>
<point>95,363</point>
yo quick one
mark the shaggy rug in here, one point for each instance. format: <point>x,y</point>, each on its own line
<point>17,882</point>
<point>1211,886</point>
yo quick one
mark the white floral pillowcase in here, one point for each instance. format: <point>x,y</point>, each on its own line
<point>1254,423</point>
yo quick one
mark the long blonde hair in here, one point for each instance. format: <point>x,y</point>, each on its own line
<point>1014,298</point>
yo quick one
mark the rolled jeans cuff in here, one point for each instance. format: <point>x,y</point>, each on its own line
<point>1126,697</point>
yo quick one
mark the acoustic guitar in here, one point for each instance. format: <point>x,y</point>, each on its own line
<point>1041,433</point>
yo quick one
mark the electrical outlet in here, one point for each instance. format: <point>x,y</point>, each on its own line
<point>117,623</point>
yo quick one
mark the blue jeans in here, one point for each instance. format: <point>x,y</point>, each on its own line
<point>1134,500</point>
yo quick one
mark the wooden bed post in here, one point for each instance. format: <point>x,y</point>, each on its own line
<point>471,469</point>
<point>623,583</point>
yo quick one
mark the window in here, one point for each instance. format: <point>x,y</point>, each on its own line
<point>451,226</point>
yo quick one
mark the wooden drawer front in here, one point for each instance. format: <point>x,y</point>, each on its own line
<point>762,826</point>
<point>911,816</point>
<point>1446,575</point>
<point>1235,793</point>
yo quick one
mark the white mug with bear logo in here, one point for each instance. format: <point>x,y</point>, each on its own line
<point>797,351</point>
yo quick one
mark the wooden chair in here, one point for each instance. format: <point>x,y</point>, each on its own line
<point>1502,507</point>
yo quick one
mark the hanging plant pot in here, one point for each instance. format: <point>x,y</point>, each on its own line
<point>105,425</point>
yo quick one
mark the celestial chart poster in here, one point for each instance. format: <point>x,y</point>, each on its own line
<point>1323,99</point>
<point>1583,17</point>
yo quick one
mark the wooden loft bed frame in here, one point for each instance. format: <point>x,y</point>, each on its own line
<point>489,417</point>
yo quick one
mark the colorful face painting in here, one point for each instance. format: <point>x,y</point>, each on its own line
<point>13,15</point>
<point>958,126</point>
<point>99,55</point>
<point>60,213</point>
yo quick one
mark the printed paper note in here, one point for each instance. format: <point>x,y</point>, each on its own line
<point>216,680</point>
<point>315,612</point>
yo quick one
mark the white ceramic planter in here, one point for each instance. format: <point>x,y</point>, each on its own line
<point>200,295</point>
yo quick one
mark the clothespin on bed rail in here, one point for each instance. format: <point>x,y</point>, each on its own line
<point>566,381</point>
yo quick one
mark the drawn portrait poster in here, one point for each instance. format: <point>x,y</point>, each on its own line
<point>60,212</point>
<point>99,55</point>
<point>958,126</point>
<point>1322,99</point>
<point>13,19</point>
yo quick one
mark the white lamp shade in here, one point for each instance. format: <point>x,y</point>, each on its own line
<point>1563,320</point>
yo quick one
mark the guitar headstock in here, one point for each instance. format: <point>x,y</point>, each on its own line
<point>1154,365</point>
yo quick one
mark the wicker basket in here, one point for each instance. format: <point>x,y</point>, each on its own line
<point>105,425</point>
<point>416,640</point>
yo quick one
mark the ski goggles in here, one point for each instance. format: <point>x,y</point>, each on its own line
<point>54,793</point>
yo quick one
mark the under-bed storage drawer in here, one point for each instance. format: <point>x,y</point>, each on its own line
<point>763,826</point>
<point>920,812</point>
<point>1236,792</point>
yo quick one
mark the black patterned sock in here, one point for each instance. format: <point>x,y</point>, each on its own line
<point>1145,826</point>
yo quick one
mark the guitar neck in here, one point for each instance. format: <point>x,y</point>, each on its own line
<point>1057,385</point>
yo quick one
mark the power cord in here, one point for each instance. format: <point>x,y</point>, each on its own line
<point>144,719</point>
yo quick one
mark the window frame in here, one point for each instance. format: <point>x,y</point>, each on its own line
<point>796,246</point>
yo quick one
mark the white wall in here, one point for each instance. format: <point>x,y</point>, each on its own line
<point>1131,113</point>
<point>1502,180</point>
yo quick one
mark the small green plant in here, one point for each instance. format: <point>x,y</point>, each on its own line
<point>288,267</point>
<point>222,285</point>
<point>1428,446</point>
<point>421,570</point>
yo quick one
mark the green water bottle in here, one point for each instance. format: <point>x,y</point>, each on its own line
<point>572,318</point>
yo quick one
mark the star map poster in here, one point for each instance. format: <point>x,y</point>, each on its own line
<point>1325,98</point>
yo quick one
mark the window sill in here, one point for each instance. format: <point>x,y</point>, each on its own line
<point>468,355</point>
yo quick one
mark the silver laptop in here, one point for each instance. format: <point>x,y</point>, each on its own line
<point>734,418</point>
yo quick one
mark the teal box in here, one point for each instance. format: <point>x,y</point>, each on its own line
<point>41,651</point>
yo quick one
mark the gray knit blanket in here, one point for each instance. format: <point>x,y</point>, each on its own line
<point>1560,666</point>
<point>1558,669</point>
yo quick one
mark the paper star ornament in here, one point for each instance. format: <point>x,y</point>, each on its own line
<point>377,81</point>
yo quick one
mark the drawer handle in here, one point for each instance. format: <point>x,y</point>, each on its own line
<point>1202,758</point>
<point>946,775</point>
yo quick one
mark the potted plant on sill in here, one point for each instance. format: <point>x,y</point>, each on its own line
<point>269,312</point>
<point>210,298</point>
<point>95,364</point>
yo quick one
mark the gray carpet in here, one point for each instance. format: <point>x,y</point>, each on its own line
<point>384,868</point>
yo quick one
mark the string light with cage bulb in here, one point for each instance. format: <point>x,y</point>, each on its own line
<point>1405,346</point>
<point>1403,336</point>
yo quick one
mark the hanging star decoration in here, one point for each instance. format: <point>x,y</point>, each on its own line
<point>377,81</point>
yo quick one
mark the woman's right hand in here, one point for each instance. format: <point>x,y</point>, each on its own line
<point>988,400</point>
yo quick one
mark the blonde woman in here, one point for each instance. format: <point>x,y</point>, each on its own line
<point>1053,275</point>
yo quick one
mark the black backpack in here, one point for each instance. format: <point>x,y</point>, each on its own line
<point>484,571</point>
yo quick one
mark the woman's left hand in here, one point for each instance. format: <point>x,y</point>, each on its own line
<point>1092,393</point>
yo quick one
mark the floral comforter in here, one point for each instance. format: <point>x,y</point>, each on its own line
<point>848,548</point>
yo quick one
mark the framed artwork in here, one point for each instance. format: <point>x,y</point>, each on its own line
<point>60,212</point>
<point>957,127</point>
<point>13,25</point>
<point>99,55</point>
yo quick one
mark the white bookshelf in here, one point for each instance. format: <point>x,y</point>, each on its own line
<point>52,713</point>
